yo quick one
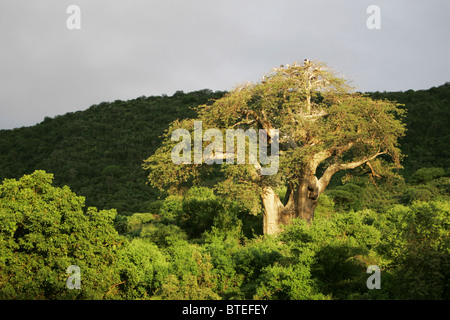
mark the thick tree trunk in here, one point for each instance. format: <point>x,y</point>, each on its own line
<point>272,211</point>
<point>302,197</point>
<point>300,202</point>
<point>305,202</point>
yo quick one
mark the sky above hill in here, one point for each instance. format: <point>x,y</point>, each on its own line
<point>132,48</point>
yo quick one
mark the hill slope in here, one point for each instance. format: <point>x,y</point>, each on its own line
<point>426,143</point>
<point>99,152</point>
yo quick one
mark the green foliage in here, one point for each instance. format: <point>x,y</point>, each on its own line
<point>161,234</point>
<point>143,270</point>
<point>325,207</point>
<point>424,175</point>
<point>200,209</point>
<point>334,251</point>
<point>419,193</point>
<point>416,242</point>
<point>191,276</point>
<point>44,230</point>
<point>135,222</point>
<point>426,141</point>
<point>171,209</point>
<point>427,184</point>
<point>350,196</point>
<point>222,247</point>
<point>288,283</point>
<point>251,260</point>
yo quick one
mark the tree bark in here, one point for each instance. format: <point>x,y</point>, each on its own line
<point>306,197</point>
<point>272,211</point>
<point>300,202</point>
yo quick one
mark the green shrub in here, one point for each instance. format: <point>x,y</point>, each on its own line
<point>348,197</point>
<point>424,175</point>
<point>160,233</point>
<point>251,259</point>
<point>144,269</point>
<point>325,207</point>
<point>43,231</point>
<point>416,241</point>
<point>335,251</point>
<point>136,221</point>
<point>200,208</point>
<point>171,209</point>
<point>222,246</point>
<point>419,193</point>
<point>191,275</point>
<point>291,282</point>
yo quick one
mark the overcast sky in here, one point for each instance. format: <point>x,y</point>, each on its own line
<point>130,48</point>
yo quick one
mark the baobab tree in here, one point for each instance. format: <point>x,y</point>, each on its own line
<point>323,127</point>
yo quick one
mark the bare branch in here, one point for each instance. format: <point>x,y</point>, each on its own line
<point>374,173</point>
<point>332,169</point>
<point>220,155</point>
<point>325,154</point>
<point>227,155</point>
<point>244,122</point>
<point>114,287</point>
<point>314,116</point>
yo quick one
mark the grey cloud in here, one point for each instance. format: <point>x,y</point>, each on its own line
<point>126,49</point>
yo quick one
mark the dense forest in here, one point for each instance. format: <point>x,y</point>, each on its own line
<point>75,192</point>
<point>99,152</point>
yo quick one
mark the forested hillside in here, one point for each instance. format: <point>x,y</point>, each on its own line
<point>427,119</point>
<point>99,152</point>
<point>74,192</point>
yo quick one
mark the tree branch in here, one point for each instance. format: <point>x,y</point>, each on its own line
<point>228,155</point>
<point>114,287</point>
<point>374,174</point>
<point>332,169</point>
<point>325,154</point>
<point>264,123</point>
<point>248,122</point>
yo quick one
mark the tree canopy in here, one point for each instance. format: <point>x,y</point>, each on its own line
<point>324,127</point>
